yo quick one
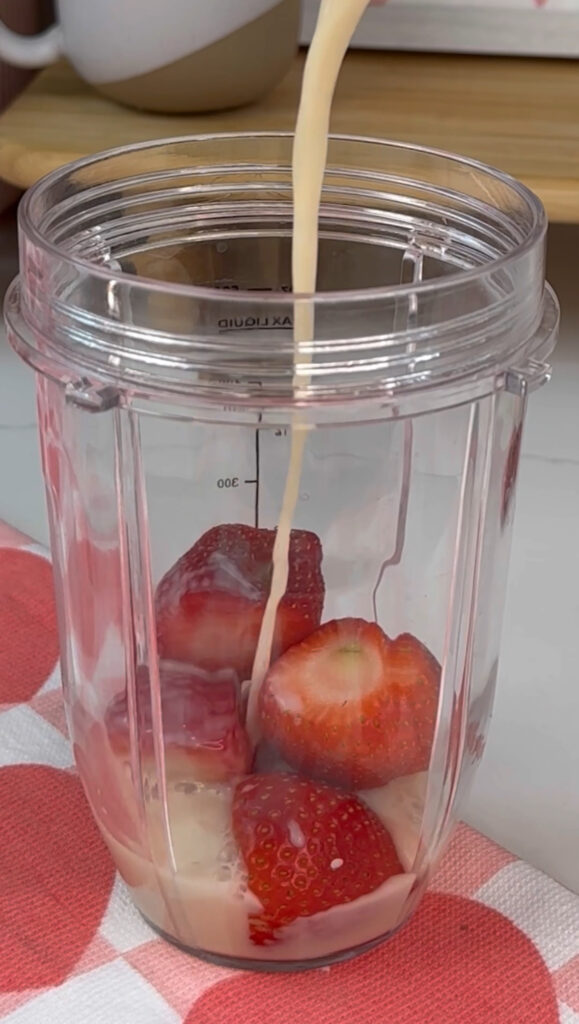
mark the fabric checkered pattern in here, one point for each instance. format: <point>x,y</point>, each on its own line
<point>493,942</point>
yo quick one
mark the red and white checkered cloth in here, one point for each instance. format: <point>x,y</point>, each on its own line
<point>494,941</point>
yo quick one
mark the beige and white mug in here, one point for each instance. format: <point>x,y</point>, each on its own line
<point>178,55</point>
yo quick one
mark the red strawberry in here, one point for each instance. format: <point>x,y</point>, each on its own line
<point>307,847</point>
<point>204,739</point>
<point>211,603</point>
<point>352,706</point>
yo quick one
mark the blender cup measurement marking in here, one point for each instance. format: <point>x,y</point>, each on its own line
<point>256,481</point>
<point>259,384</point>
<point>253,323</point>
<point>277,321</point>
<point>280,432</point>
<point>233,482</point>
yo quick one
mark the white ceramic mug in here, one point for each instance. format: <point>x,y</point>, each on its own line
<point>168,55</point>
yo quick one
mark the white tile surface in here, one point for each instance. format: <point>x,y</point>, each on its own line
<point>527,791</point>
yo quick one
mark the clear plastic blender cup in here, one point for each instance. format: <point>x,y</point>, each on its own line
<point>154,303</point>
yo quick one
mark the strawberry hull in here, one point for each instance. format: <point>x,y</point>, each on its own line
<point>352,707</point>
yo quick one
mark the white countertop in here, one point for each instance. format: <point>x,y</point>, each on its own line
<point>527,791</point>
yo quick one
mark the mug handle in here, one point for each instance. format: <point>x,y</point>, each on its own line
<point>30,51</point>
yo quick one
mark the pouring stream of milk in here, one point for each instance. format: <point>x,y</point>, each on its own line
<point>336,24</point>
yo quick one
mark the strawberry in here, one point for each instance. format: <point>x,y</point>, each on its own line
<point>204,739</point>
<point>351,706</point>
<point>211,603</point>
<point>306,847</point>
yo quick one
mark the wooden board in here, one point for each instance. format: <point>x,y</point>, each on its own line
<point>519,115</point>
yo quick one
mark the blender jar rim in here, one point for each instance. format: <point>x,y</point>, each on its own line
<point>125,354</point>
<point>26,219</point>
